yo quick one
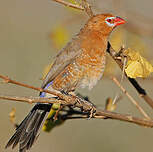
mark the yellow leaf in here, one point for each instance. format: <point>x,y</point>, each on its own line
<point>137,66</point>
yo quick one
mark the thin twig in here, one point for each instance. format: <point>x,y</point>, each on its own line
<point>131,98</point>
<point>70,99</point>
<point>8,80</point>
<point>69,4</point>
<point>87,8</point>
<point>32,99</point>
<point>84,6</point>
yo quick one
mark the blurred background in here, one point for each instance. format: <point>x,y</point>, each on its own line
<point>31,33</point>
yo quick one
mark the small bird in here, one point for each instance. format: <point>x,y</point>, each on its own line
<point>79,64</point>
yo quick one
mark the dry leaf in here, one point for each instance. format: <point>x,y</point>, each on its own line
<point>137,66</point>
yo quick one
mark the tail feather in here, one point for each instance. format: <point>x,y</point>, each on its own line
<point>16,137</point>
<point>27,132</point>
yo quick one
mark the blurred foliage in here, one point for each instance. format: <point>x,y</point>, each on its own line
<point>117,38</point>
<point>110,106</point>
<point>12,115</point>
<point>135,42</point>
<point>59,36</point>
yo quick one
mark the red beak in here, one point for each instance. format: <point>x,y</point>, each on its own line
<point>119,21</point>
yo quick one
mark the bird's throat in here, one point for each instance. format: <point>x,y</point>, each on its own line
<point>94,43</point>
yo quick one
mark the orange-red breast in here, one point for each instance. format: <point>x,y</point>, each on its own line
<point>80,64</point>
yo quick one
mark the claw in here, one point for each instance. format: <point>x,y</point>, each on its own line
<point>92,112</point>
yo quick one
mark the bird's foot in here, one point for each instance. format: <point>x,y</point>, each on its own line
<point>92,112</point>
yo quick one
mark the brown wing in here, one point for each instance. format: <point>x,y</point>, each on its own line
<point>66,56</point>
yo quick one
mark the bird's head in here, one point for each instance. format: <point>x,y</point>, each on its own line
<point>104,23</point>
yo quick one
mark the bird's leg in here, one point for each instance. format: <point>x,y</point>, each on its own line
<point>82,100</point>
<point>86,99</point>
<point>75,95</point>
<point>92,112</point>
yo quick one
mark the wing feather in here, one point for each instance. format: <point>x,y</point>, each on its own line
<point>66,56</point>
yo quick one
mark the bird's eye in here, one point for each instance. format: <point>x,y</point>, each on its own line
<point>109,20</point>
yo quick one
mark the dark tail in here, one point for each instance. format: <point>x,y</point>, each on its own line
<point>27,132</point>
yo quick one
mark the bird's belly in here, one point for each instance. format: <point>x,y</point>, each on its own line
<point>84,72</point>
<point>92,73</point>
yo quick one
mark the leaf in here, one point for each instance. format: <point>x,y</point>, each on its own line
<point>49,122</point>
<point>137,66</point>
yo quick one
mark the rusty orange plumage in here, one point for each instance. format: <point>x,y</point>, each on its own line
<point>80,64</point>
<point>85,56</point>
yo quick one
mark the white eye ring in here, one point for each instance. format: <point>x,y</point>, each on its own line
<point>109,24</point>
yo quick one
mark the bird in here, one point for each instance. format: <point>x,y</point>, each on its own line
<point>80,63</point>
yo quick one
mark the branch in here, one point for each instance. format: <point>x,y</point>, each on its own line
<point>128,118</point>
<point>99,114</point>
<point>69,99</point>
<point>84,6</point>
<point>31,100</point>
<point>87,8</point>
<point>69,4</point>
